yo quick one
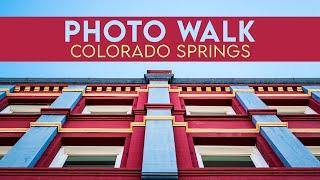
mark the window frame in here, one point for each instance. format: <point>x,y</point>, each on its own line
<point>251,151</point>
<point>292,110</point>
<point>4,150</point>
<point>88,109</point>
<point>17,108</point>
<point>205,110</point>
<point>65,151</point>
<point>315,150</point>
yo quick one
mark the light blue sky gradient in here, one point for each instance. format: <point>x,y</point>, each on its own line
<point>161,8</point>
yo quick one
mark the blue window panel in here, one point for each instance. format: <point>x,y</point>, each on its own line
<point>265,118</point>
<point>316,96</point>
<point>52,118</point>
<point>2,94</point>
<point>159,112</point>
<point>288,148</point>
<point>306,88</point>
<point>28,150</point>
<point>67,100</point>
<point>250,101</point>
<point>159,155</point>
<point>158,96</point>
<point>10,87</point>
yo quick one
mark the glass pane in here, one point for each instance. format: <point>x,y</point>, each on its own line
<point>90,161</point>
<point>318,157</point>
<point>1,157</point>
<point>227,161</point>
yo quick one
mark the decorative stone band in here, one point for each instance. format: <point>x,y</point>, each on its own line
<point>145,118</point>
<point>82,90</point>
<point>270,124</point>
<point>158,118</point>
<point>177,124</point>
<point>46,124</point>
<point>234,91</point>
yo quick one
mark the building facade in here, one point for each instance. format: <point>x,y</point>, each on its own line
<point>159,127</point>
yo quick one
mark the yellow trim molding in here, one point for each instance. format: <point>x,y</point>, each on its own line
<point>141,124</point>
<point>46,124</point>
<point>279,95</point>
<point>66,89</point>
<point>145,118</point>
<point>33,94</point>
<point>270,124</point>
<point>242,90</point>
<point>111,94</point>
<point>219,130</point>
<point>206,95</point>
<point>95,130</point>
<point>305,130</point>
<point>13,130</point>
<point>175,90</point>
<point>310,91</point>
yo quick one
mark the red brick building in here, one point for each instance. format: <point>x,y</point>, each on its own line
<point>159,127</point>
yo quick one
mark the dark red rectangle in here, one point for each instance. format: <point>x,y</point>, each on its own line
<point>276,39</point>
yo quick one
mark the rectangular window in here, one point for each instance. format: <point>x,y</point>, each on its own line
<point>286,110</point>
<point>210,110</point>
<point>107,109</point>
<point>315,150</point>
<point>4,150</point>
<point>23,109</point>
<point>88,156</point>
<point>229,156</point>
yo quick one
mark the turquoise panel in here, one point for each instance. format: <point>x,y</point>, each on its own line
<point>3,94</point>
<point>159,112</point>
<point>288,148</point>
<point>30,147</point>
<point>250,101</point>
<point>52,118</point>
<point>67,100</point>
<point>159,156</point>
<point>10,87</point>
<point>158,96</point>
<point>28,150</point>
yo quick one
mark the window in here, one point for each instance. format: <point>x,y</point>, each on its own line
<point>23,109</point>
<point>107,109</point>
<point>315,150</point>
<point>4,150</point>
<point>209,110</point>
<point>88,156</point>
<point>293,110</point>
<point>229,156</point>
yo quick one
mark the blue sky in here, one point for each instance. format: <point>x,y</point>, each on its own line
<point>161,8</point>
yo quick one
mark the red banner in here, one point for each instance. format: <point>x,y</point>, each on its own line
<point>179,39</point>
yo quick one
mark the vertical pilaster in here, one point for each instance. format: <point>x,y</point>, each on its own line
<point>287,147</point>
<point>159,155</point>
<point>28,150</point>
